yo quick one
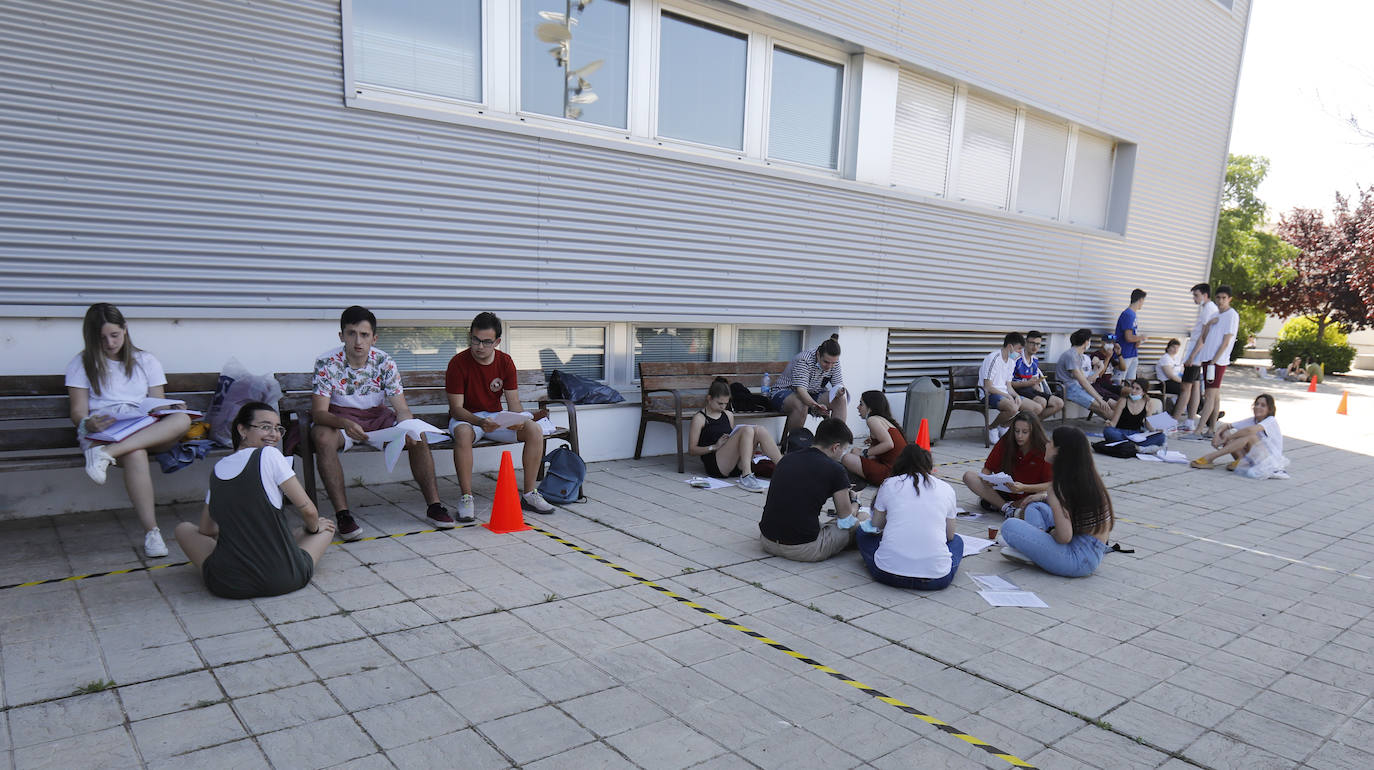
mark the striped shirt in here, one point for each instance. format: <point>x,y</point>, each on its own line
<point>804,371</point>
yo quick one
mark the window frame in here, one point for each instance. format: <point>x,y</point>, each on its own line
<point>802,47</point>
<point>557,122</point>
<point>388,99</point>
<point>512,327</point>
<point>766,327</point>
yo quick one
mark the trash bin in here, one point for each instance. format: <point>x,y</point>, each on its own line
<point>925,398</point>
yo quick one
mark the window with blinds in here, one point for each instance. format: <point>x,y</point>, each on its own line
<point>672,343</point>
<point>1092,180</point>
<point>767,344</point>
<point>920,145</point>
<point>420,46</point>
<point>577,349</point>
<point>985,152</point>
<point>1040,183</point>
<point>804,110</point>
<point>422,348</point>
<point>701,82</point>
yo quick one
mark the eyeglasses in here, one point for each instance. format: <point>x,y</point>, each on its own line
<point>478,342</point>
<point>269,428</point>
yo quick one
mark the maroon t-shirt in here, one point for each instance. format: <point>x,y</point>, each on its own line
<point>1029,468</point>
<point>483,387</point>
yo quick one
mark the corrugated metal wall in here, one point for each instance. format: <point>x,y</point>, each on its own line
<point>169,155</point>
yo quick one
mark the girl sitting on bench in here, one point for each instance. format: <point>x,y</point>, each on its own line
<point>107,380</point>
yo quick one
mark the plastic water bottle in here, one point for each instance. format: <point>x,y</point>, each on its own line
<point>767,387</point>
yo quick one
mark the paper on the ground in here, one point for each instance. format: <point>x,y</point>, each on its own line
<point>510,419</point>
<point>1012,599</point>
<point>1161,421</point>
<point>1173,457</point>
<point>1147,457</point>
<point>999,481</point>
<point>710,482</point>
<point>964,515</point>
<point>973,544</point>
<point>392,440</point>
<point>994,583</point>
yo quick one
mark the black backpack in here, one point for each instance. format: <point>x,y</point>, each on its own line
<point>1124,449</point>
<point>744,400</point>
<point>797,440</point>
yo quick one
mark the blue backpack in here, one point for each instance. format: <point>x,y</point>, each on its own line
<point>563,477</point>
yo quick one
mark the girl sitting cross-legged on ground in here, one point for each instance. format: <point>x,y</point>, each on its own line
<point>1255,441</point>
<point>1128,417</point>
<point>243,546</point>
<point>107,381</point>
<point>1019,454</point>
<point>726,450</point>
<point>1066,527</point>
<point>885,440</point>
<point>917,547</point>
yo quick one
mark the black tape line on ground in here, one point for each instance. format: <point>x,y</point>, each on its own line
<point>151,567</point>
<point>942,726</point>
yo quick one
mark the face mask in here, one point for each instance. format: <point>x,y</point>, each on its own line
<point>1136,396</point>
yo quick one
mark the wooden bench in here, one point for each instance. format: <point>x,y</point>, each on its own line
<point>964,396</point>
<point>672,392</point>
<point>36,432</point>
<point>428,401</point>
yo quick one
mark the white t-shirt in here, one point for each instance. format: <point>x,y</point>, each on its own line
<point>999,371</point>
<point>1269,429</point>
<point>275,469</point>
<point>1205,312</point>
<point>914,543</point>
<point>1227,323</point>
<point>1172,364</point>
<point>119,388</point>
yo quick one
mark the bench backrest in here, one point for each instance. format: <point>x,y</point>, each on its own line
<point>422,388</point>
<point>44,397</point>
<point>693,378</point>
<point>963,383</point>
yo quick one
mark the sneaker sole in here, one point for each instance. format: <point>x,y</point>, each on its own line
<point>524,506</point>
<point>356,534</point>
<point>442,524</point>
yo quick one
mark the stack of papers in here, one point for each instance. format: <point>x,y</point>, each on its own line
<point>999,481</point>
<point>1000,592</point>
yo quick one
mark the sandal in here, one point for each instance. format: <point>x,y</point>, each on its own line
<point>1234,464</point>
<point>1200,464</point>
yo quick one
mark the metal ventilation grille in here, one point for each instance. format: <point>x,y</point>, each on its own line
<point>913,353</point>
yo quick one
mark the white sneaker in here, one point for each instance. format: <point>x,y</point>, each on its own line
<point>1188,425</point>
<point>1149,449</point>
<point>533,501</point>
<point>466,510</point>
<point>97,462</point>
<point>751,483</point>
<point>153,545</point>
<point>993,435</point>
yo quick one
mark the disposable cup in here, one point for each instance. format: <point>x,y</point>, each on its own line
<point>992,533</point>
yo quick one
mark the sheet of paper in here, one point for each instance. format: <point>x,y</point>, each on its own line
<point>1149,458</point>
<point>508,419</point>
<point>1139,437</point>
<point>973,544</point>
<point>546,425</point>
<point>1012,599</point>
<point>994,583</point>
<point>1173,457</point>
<point>999,481</point>
<point>392,440</point>
<point>710,482</point>
<point>1161,421</point>
<point>963,515</point>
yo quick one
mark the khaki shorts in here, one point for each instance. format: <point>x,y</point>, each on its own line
<point>829,542</point>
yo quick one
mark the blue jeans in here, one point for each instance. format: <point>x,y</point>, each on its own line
<point>868,546</point>
<point>1111,434</point>
<point>1076,558</point>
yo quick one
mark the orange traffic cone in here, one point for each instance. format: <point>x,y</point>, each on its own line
<point>923,435</point>
<point>1345,394</point>
<point>1312,386</point>
<point>505,511</point>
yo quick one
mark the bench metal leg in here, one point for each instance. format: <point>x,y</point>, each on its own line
<point>681,466</point>
<point>639,443</point>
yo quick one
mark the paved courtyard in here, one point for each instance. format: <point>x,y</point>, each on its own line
<point>1238,635</point>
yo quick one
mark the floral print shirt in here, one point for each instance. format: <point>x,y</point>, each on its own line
<point>365,387</point>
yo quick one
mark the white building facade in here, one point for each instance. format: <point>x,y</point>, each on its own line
<point>661,179</point>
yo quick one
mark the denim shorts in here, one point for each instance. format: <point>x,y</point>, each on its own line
<point>1075,393</point>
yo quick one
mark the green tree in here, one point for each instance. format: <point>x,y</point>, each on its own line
<point>1245,257</point>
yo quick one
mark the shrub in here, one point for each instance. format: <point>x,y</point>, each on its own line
<point>1299,338</point>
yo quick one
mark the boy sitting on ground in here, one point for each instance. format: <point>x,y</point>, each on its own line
<point>802,482</point>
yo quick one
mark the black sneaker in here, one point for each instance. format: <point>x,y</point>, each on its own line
<point>989,507</point>
<point>438,514</point>
<point>347,527</point>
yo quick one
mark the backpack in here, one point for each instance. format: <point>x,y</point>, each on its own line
<point>1125,449</point>
<point>563,477</point>
<point>797,440</point>
<point>744,400</point>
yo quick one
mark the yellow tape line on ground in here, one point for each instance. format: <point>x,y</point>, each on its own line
<point>779,646</point>
<point>151,567</point>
